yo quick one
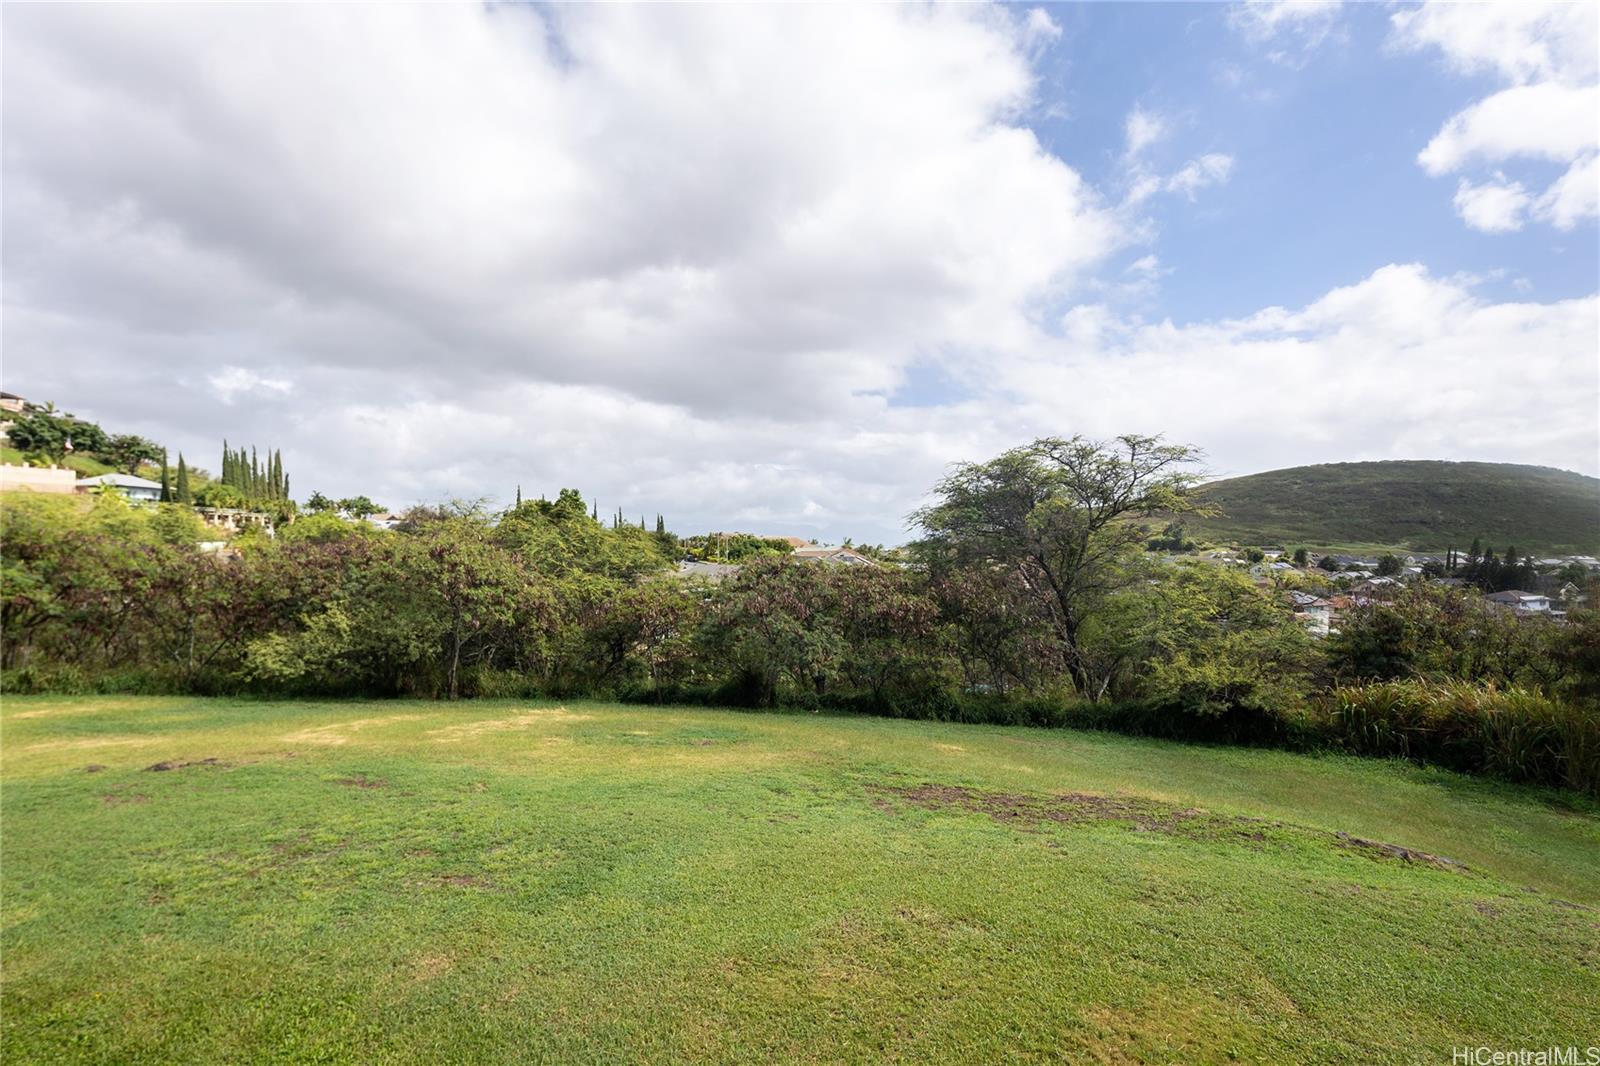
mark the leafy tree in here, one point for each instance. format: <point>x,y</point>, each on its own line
<point>318,503</point>
<point>1302,558</point>
<point>127,452</point>
<point>44,432</point>
<point>1389,565</point>
<point>359,506</point>
<point>1328,563</point>
<point>217,494</point>
<point>1058,512</point>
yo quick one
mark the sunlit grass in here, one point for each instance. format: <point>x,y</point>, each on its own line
<point>396,881</point>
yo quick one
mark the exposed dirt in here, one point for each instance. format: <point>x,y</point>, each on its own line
<point>161,767</point>
<point>362,781</point>
<point>1378,849</point>
<point>1065,807</point>
<point>117,799</point>
<point>465,881</point>
<point>93,768</point>
<point>1078,808</point>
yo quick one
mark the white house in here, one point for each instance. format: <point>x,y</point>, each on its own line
<point>1521,602</point>
<point>134,488</point>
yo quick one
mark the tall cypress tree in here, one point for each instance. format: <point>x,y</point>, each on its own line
<point>166,485</point>
<point>184,495</point>
<point>519,496</point>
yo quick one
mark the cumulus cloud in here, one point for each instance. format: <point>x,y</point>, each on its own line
<point>1401,364</point>
<point>1522,42</point>
<point>1493,207</point>
<point>1549,112</point>
<point>684,259</point>
<point>1544,121</point>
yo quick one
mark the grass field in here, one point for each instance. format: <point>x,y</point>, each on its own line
<point>206,880</point>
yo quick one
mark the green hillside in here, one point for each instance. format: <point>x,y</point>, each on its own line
<point>1417,504</point>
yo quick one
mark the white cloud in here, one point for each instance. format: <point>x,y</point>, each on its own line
<point>680,258</point>
<point>1574,196</point>
<point>1212,168</point>
<point>1550,111</point>
<point>1040,29</point>
<point>1544,121</point>
<point>231,382</point>
<point>1524,41</point>
<point>1399,365</point>
<point>1263,19</point>
<point>1493,207</point>
<point>1142,129</point>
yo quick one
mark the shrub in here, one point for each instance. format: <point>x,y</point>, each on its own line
<point>1514,733</point>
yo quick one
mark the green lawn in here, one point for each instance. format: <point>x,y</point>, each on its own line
<point>498,881</point>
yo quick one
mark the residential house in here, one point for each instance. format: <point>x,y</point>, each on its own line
<point>137,489</point>
<point>1314,612</point>
<point>819,554</point>
<point>1523,603</point>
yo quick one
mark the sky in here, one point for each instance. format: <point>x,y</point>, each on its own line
<point>776,268</point>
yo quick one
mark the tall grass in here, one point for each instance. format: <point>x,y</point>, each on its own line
<point>1513,733</point>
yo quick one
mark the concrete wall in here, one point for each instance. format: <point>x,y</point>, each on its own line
<point>36,478</point>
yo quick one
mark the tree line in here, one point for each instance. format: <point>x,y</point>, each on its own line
<point>1029,597</point>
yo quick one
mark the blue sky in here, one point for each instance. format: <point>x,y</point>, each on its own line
<point>773,268</point>
<point>1325,186</point>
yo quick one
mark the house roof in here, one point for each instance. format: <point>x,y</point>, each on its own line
<point>121,481</point>
<point>1514,596</point>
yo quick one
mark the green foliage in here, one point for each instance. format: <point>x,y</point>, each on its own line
<point>734,547</point>
<point>1420,505</point>
<point>128,452</point>
<point>45,432</point>
<point>1515,733</point>
<point>1059,512</point>
<point>219,494</point>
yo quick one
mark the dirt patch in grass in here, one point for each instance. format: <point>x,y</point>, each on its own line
<point>1379,850</point>
<point>465,881</point>
<point>1081,808</point>
<point>361,781</point>
<point>162,767</point>
<point>1066,807</point>
<point>118,799</point>
<point>453,734</point>
<point>93,768</point>
<point>336,732</point>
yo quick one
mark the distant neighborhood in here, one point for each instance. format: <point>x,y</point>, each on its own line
<point>47,451</point>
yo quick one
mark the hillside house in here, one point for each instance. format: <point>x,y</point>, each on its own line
<point>137,489</point>
<point>845,556</point>
<point>1313,612</point>
<point>1523,603</point>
